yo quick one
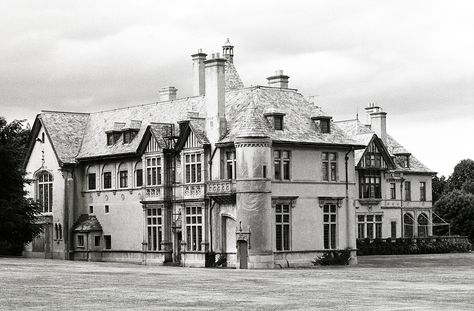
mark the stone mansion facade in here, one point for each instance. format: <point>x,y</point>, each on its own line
<point>260,176</point>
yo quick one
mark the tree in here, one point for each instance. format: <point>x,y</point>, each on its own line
<point>463,172</point>
<point>17,213</point>
<point>457,208</point>
<point>439,187</point>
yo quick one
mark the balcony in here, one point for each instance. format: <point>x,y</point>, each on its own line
<point>153,194</point>
<point>193,191</point>
<point>221,191</point>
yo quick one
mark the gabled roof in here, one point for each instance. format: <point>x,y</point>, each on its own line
<point>87,223</point>
<point>197,127</point>
<point>95,140</point>
<point>298,126</point>
<point>360,132</point>
<point>65,130</point>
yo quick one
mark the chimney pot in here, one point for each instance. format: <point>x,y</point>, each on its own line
<point>168,93</point>
<point>278,80</point>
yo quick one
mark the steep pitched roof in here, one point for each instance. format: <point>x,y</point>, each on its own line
<point>298,126</point>
<point>360,132</point>
<point>95,143</point>
<point>253,124</point>
<point>87,223</point>
<point>232,78</point>
<point>65,130</point>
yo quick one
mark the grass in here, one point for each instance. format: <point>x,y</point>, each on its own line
<point>411,282</point>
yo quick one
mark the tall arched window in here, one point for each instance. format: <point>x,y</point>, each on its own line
<point>408,225</point>
<point>422,225</point>
<point>45,191</point>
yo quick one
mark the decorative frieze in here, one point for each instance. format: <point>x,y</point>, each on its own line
<point>252,145</point>
<point>193,191</point>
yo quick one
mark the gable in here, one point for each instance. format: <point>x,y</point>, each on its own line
<point>191,135</point>
<point>376,156</point>
<point>192,141</point>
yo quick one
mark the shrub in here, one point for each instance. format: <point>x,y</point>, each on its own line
<point>337,257</point>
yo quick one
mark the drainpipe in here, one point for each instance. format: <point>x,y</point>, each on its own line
<point>210,224</point>
<point>349,212</point>
<point>401,206</point>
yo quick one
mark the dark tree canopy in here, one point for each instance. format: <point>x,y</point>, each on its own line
<point>463,173</point>
<point>439,187</point>
<point>17,213</point>
<point>457,208</point>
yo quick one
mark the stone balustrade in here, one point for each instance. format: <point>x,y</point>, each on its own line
<point>216,187</point>
<point>193,191</point>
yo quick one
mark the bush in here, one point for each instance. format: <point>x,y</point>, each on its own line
<point>402,246</point>
<point>330,258</point>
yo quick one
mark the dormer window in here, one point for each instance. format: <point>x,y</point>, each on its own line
<point>322,124</point>
<point>403,160</point>
<point>275,118</point>
<point>110,139</point>
<point>278,123</point>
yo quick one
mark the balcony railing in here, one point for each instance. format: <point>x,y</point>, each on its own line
<point>153,194</point>
<point>194,191</point>
<point>220,187</point>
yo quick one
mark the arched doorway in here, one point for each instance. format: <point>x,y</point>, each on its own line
<point>408,225</point>
<point>422,225</point>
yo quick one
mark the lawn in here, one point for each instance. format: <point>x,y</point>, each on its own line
<point>420,282</point>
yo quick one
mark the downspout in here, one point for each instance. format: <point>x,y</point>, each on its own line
<point>210,225</point>
<point>349,220</point>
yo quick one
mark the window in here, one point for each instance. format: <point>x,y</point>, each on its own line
<point>91,209</point>
<point>45,191</point>
<point>330,223</point>
<point>369,226</point>
<point>108,241</point>
<point>369,185</point>
<point>123,176</point>
<point>405,161</point>
<point>407,191</point>
<point>139,177</point>
<point>110,139</point>
<point>153,171</point>
<point>231,166</point>
<point>325,125</point>
<point>278,122</point>
<point>80,241</point>
<point>106,209</point>
<point>154,223</point>
<point>91,181</point>
<point>264,171</point>
<point>107,180</point>
<point>282,224</point>
<point>422,191</point>
<point>126,137</point>
<point>193,168</point>
<point>194,228</point>
<point>408,225</point>
<point>97,240</point>
<point>282,164</point>
<point>329,166</point>
<point>393,229</point>
<point>393,191</point>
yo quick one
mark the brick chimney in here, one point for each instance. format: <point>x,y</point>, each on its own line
<point>378,121</point>
<point>199,82</point>
<point>168,93</point>
<point>215,97</point>
<point>278,80</point>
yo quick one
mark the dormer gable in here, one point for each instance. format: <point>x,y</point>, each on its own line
<point>157,137</point>
<point>192,135</point>
<point>376,156</point>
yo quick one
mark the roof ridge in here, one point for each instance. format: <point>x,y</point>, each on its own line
<point>70,112</point>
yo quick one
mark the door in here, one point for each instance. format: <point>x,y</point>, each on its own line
<point>178,239</point>
<point>243,254</point>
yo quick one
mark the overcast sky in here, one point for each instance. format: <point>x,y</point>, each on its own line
<point>413,58</point>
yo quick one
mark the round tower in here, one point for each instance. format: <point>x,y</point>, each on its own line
<point>253,193</point>
<point>228,51</point>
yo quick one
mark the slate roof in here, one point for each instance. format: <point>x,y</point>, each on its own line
<point>65,130</point>
<point>95,141</point>
<point>159,131</point>
<point>297,125</point>
<point>232,78</point>
<point>362,133</point>
<point>87,223</point>
<point>198,126</point>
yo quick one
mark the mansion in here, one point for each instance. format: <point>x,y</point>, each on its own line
<point>244,177</point>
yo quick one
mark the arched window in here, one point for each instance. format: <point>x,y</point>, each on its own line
<point>91,176</point>
<point>408,225</point>
<point>138,174</point>
<point>122,175</point>
<point>107,176</point>
<point>45,191</point>
<point>422,225</point>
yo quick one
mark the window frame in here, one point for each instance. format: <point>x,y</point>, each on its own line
<point>193,164</point>
<point>374,180</point>
<point>393,191</point>
<point>330,236</point>
<point>154,228</point>
<point>369,220</point>
<point>44,193</point>
<point>80,241</point>
<point>407,186</point>
<point>123,179</point>
<point>107,176</point>
<point>278,122</point>
<point>154,171</point>
<point>283,227</point>
<point>422,191</point>
<point>282,164</point>
<point>91,182</point>
<point>329,166</point>
<point>107,241</point>
<point>194,228</point>
<point>230,165</point>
